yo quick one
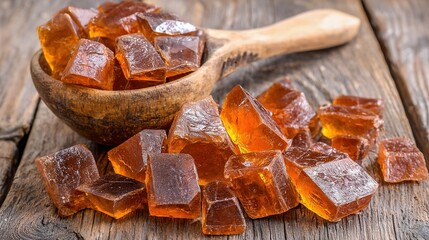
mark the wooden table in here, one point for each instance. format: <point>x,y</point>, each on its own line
<point>389,59</point>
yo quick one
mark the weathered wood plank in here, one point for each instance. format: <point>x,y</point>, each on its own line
<point>402,28</point>
<point>397,211</point>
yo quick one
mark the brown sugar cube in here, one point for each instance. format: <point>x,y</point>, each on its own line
<point>296,159</point>
<point>400,160</point>
<point>198,131</point>
<point>336,189</point>
<point>115,195</point>
<point>302,139</point>
<point>344,120</point>
<point>62,172</point>
<point>58,37</point>
<point>249,124</point>
<point>221,212</point>
<point>130,158</point>
<point>121,83</point>
<point>371,104</point>
<point>172,186</point>
<point>164,24</point>
<point>289,108</point>
<point>91,65</point>
<point>115,20</point>
<point>356,147</point>
<point>182,54</point>
<point>138,58</point>
<point>80,16</point>
<point>260,181</point>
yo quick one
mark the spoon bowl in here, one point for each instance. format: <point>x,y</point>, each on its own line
<point>111,117</point>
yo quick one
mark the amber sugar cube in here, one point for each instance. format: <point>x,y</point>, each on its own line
<point>182,54</point>
<point>221,212</point>
<point>115,195</point>
<point>172,186</point>
<point>344,120</point>
<point>138,58</point>
<point>400,160</point>
<point>58,37</point>
<point>198,131</point>
<point>130,158</point>
<point>164,24</point>
<point>249,124</point>
<point>62,172</point>
<point>118,19</point>
<point>370,104</point>
<point>80,16</point>
<point>261,183</point>
<point>302,139</point>
<point>91,65</point>
<point>356,147</point>
<point>335,189</point>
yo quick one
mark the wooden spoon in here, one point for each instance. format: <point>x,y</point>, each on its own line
<point>110,117</point>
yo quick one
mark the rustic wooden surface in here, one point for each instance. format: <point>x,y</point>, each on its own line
<point>397,211</point>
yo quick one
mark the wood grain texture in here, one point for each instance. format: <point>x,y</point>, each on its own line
<point>397,211</point>
<point>402,28</point>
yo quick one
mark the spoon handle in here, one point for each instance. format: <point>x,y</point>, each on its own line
<point>312,30</point>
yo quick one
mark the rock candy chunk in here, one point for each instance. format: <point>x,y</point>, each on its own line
<point>138,58</point>
<point>172,186</point>
<point>356,147</point>
<point>80,16</point>
<point>115,195</point>
<point>130,158</point>
<point>260,181</point>
<point>221,212</point>
<point>62,172</point>
<point>182,54</point>
<point>58,37</point>
<point>302,139</point>
<point>335,189</point>
<point>371,104</point>
<point>400,160</point>
<point>249,124</point>
<point>91,65</point>
<point>198,131</point>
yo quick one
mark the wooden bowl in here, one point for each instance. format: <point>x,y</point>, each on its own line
<point>111,117</point>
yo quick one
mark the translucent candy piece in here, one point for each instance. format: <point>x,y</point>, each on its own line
<point>164,24</point>
<point>400,160</point>
<point>344,120</point>
<point>130,158</point>
<point>297,159</point>
<point>260,181</point>
<point>182,54</point>
<point>62,172</point>
<point>249,124</point>
<point>198,131</point>
<point>371,104</point>
<point>91,65</point>
<point>289,108</point>
<point>58,37</point>
<point>80,16</point>
<point>302,139</point>
<point>336,189</point>
<point>138,58</point>
<point>172,186</point>
<point>356,147</point>
<point>115,195</point>
<point>119,19</point>
<point>221,212</point>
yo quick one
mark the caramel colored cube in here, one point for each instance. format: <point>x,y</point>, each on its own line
<point>80,16</point>
<point>172,186</point>
<point>249,124</point>
<point>260,181</point>
<point>371,104</point>
<point>62,172</point>
<point>91,65</point>
<point>58,37</point>
<point>344,120</point>
<point>302,139</point>
<point>221,212</point>
<point>400,160</point>
<point>336,189</point>
<point>130,158</point>
<point>356,147</point>
<point>182,54</point>
<point>138,58</point>
<point>115,195</point>
<point>198,131</point>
